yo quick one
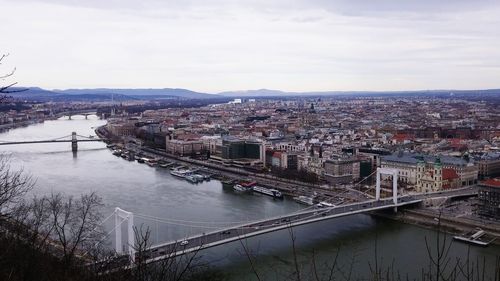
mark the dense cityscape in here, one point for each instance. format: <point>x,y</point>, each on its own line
<point>323,152</point>
<point>337,142</point>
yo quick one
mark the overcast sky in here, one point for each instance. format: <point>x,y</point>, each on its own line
<point>219,45</point>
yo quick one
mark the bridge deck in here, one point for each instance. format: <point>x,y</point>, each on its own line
<point>47,141</point>
<point>235,233</point>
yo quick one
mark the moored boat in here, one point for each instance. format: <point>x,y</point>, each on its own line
<point>198,177</point>
<point>324,204</point>
<point>239,187</point>
<point>228,182</point>
<point>151,162</point>
<point>181,173</point>
<point>191,179</point>
<point>306,200</point>
<point>268,191</point>
<point>476,237</point>
<point>244,185</point>
<point>177,173</point>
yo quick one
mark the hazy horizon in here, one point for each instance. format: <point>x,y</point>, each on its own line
<point>261,89</point>
<point>223,45</point>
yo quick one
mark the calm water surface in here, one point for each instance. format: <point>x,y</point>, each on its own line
<point>153,191</point>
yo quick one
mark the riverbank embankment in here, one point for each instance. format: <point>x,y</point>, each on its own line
<point>450,224</point>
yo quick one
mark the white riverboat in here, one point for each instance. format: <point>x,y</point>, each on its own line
<point>181,173</point>
<point>239,187</point>
<point>191,179</point>
<point>306,200</point>
<point>268,191</point>
<point>324,204</point>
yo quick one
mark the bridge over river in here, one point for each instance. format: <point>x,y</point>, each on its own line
<point>83,112</point>
<point>74,139</point>
<point>236,232</point>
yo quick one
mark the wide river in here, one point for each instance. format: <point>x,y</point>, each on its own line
<point>153,191</point>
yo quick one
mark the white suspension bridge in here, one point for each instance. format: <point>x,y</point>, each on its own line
<point>218,233</point>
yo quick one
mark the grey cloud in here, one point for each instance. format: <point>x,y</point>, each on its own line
<point>342,6</point>
<point>426,6</point>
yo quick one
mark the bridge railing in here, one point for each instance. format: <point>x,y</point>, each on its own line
<point>251,224</point>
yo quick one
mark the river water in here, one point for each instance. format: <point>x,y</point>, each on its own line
<point>154,192</point>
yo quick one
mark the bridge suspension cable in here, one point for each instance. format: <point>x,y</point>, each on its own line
<point>85,137</point>
<point>61,137</point>
<point>183,224</point>
<point>100,224</point>
<point>365,178</point>
<point>54,139</point>
<point>197,224</point>
<point>67,138</point>
<point>106,235</point>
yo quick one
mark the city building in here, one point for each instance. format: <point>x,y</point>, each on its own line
<point>342,170</point>
<point>121,129</point>
<point>489,198</point>
<point>235,148</point>
<point>407,165</point>
<point>489,165</point>
<point>281,159</point>
<point>183,147</point>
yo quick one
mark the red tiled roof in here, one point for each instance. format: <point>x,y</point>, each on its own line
<point>402,137</point>
<point>457,143</point>
<point>188,137</point>
<point>449,174</point>
<point>492,182</point>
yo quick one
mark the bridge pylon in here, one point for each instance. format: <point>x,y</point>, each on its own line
<point>120,217</point>
<point>394,174</point>
<point>74,142</point>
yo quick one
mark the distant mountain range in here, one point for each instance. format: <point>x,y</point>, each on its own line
<point>105,94</point>
<point>142,93</point>
<point>256,93</point>
<point>273,93</point>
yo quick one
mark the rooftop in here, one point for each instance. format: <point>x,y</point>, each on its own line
<point>492,182</point>
<point>413,158</point>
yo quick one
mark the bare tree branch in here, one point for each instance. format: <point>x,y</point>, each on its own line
<point>13,186</point>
